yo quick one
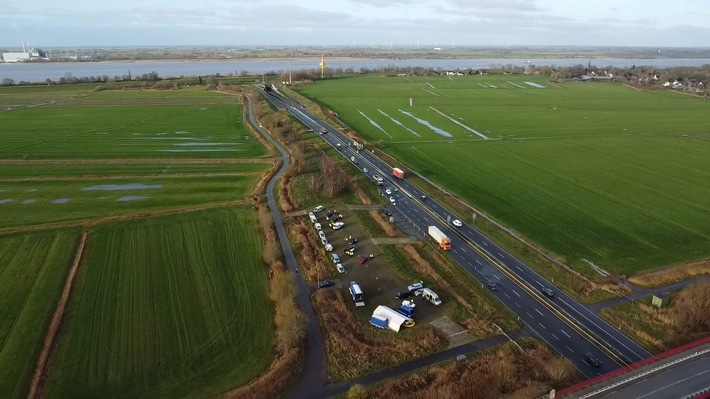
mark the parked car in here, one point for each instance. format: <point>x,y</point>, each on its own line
<point>456,223</point>
<point>324,241</point>
<point>329,247</point>
<point>318,226</point>
<point>423,197</point>
<point>404,294</point>
<point>352,241</point>
<point>329,213</point>
<point>362,259</point>
<point>321,234</point>
<point>548,292</point>
<point>326,283</point>
<point>592,360</point>
<point>338,225</point>
<point>415,286</point>
<point>318,209</point>
<point>340,267</point>
<point>335,258</point>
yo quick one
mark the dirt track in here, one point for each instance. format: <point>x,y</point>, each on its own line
<point>41,367</point>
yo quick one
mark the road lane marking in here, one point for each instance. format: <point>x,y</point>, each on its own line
<point>485,243</point>
<point>506,295</point>
<point>539,283</point>
<point>518,305</point>
<point>539,312</point>
<point>570,349</point>
<point>542,325</point>
<point>479,262</point>
<point>496,276</point>
<point>518,267</point>
<point>554,336</point>
<point>563,332</point>
<point>500,254</point>
<point>516,293</point>
<point>529,315</point>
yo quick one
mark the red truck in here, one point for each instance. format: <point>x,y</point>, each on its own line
<point>398,173</point>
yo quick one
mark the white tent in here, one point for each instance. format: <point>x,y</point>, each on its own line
<point>394,319</point>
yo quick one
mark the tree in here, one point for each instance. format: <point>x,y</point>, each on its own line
<point>7,82</point>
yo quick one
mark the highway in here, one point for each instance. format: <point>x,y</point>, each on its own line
<point>566,325</point>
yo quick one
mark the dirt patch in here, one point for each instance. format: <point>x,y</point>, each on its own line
<point>386,226</point>
<point>391,241</point>
<point>672,274</point>
<point>37,383</point>
<point>501,372</point>
<point>355,349</point>
<point>454,333</point>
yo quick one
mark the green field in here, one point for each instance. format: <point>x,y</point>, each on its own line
<point>168,307</point>
<point>32,272</point>
<point>119,124</point>
<point>592,171</point>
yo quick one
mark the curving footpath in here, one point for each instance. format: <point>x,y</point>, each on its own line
<point>314,375</point>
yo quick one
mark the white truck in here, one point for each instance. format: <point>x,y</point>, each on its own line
<point>441,238</point>
<point>431,296</point>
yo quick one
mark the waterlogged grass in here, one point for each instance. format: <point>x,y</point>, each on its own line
<point>53,170</point>
<point>137,124</point>
<point>168,307</point>
<point>36,202</point>
<point>32,273</point>
<point>589,171</point>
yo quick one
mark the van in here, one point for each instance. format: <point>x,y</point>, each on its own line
<point>592,360</point>
<point>415,286</point>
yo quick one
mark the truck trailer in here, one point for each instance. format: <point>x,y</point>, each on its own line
<point>441,238</point>
<point>398,173</point>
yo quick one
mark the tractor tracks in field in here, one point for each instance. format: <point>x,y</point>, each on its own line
<point>39,375</point>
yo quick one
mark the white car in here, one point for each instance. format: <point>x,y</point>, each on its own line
<point>388,191</point>
<point>321,234</point>
<point>340,267</point>
<point>329,247</point>
<point>364,170</point>
<point>392,200</point>
<point>318,209</point>
<point>335,258</point>
<point>456,223</point>
<point>338,225</point>
<point>324,241</point>
<point>318,226</point>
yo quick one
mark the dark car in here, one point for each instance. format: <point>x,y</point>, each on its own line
<point>548,292</point>
<point>492,286</point>
<point>362,259</point>
<point>404,294</point>
<point>592,360</point>
<point>353,241</point>
<point>326,283</point>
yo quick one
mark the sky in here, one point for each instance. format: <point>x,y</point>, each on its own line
<point>424,23</point>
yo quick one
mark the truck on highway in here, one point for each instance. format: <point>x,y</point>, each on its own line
<point>398,173</point>
<point>431,296</point>
<point>357,294</point>
<point>441,238</point>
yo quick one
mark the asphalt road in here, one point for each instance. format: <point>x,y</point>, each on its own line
<point>314,375</point>
<point>519,286</point>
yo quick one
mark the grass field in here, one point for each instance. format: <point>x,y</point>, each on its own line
<point>589,171</point>
<point>170,307</point>
<point>116,124</point>
<point>32,272</point>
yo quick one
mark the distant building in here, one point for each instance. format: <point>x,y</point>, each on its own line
<point>15,57</point>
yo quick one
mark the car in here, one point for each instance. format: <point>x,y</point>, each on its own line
<point>324,241</point>
<point>318,209</point>
<point>362,259</point>
<point>456,223</point>
<point>547,292</point>
<point>318,226</point>
<point>492,286</point>
<point>352,241</point>
<point>350,252</point>
<point>338,225</point>
<point>335,218</point>
<point>335,258</point>
<point>326,283</point>
<point>415,286</point>
<point>388,191</point>
<point>340,267</point>
<point>329,213</point>
<point>387,212</point>
<point>423,197</point>
<point>419,292</point>
<point>321,234</point>
<point>364,170</point>
<point>392,200</point>
<point>329,247</point>
<point>324,131</point>
<point>592,360</point>
<point>404,294</point>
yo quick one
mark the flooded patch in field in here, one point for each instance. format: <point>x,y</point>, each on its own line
<point>117,187</point>
<point>459,123</point>
<point>373,123</point>
<point>31,190</point>
<point>176,138</point>
<point>5,201</point>
<point>535,85</point>
<point>205,144</point>
<point>29,201</point>
<point>126,198</point>
<point>61,200</point>
<point>182,132</point>
<point>399,123</point>
<point>427,124</point>
<point>204,150</point>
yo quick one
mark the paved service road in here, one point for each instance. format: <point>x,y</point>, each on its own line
<point>548,318</point>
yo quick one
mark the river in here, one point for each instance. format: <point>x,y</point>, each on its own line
<point>39,72</point>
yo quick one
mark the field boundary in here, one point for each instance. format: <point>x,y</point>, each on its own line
<point>38,377</point>
<point>137,161</point>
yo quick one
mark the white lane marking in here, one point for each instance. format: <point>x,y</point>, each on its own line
<point>518,267</point>
<point>570,349</point>
<point>516,293</point>
<point>542,326</point>
<point>500,254</point>
<point>485,243</point>
<point>539,312</point>
<point>539,283</point>
<point>673,383</point>
<point>554,336</point>
<point>529,314</point>
<point>518,305</point>
<point>506,295</point>
<point>479,262</point>
<point>496,276</point>
<point>563,332</point>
